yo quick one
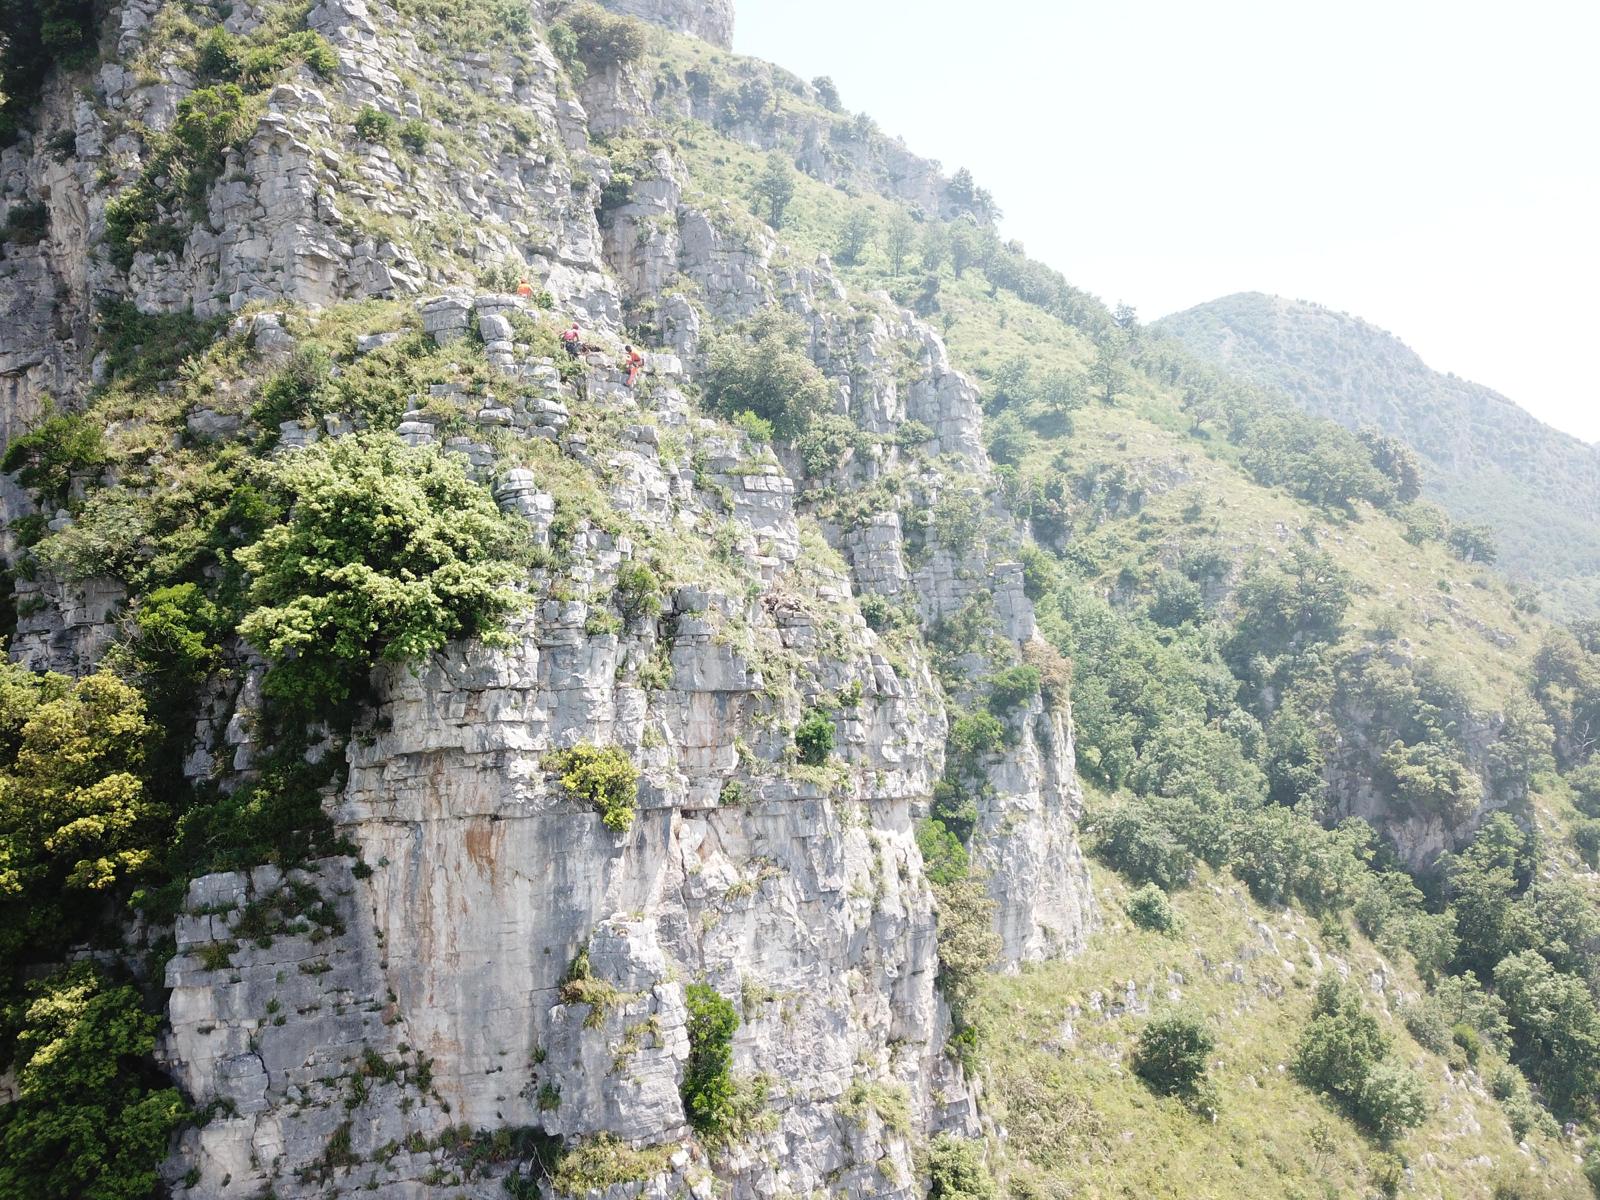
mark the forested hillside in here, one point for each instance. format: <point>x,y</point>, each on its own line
<point>1486,461</point>
<point>438,763</point>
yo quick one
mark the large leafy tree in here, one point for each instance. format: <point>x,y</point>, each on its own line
<point>388,553</point>
<point>76,819</point>
<point>1555,1028</point>
<point>767,372</point>
<point>90,1120</point>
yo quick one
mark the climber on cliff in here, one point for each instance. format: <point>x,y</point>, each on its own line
<point>572,340</point>
<point>634,362</point>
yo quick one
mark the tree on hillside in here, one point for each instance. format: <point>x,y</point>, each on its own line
<point>1396,460</point>
<point>1108,373</point>
<point>900,234</point>
<point>1473,544</point>
<point>963,247</point>
<point>827,92</point>
<point>766,371</point>
<point>856,234</point>
<point>776,188</point>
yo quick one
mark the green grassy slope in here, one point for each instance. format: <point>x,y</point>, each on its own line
<point>1077,1121</point>
<point>1489,461</point>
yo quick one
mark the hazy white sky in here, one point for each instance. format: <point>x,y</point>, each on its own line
<point>1433,167</point>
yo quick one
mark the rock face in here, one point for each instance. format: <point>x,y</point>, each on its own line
<point>711,20</point>
<point>495,958</point>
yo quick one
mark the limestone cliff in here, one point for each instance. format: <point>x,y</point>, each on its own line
<point>432,1003</point>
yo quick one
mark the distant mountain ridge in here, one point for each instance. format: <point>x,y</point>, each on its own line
<point>1488,461</point>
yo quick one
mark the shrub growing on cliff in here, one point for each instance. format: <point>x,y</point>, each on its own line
<point>638,592</point>
<point>388,553</point>
<point>813,737</point>
<point>57,447</point>
<point>1134,840</point>
<point>39,34</point>
<point>956,1171</point>
<point>1391,1100</point>
<point>775,189</point>
<point>89,1121</point>
<point>606,778</point>
<point>968,945</point>
<point>599,38</point>
<point>1555,1029</point>
<point>75,817</point>
<point>1012,689</point>
<point>767,372</point>
<point>708,1089</point>
<point>181,168</point>
<point>175,627</point>
<point>1341,1044</point>
<point>373,126</point>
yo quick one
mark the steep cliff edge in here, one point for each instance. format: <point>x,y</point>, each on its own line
<point>437,1000</point>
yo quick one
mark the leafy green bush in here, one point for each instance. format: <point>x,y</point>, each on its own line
<point>1473,543</point>
<point>373,126</point>
<point>1586,837</point>
<point>218,56</point>
<point>775,188</point>
<point>638,592</point>
<point>602,39</point>
<point>1342,1043</point>
<point>1342,1052</point>
<point>944,858</point>
<point>825,442</point>
<point>57,447</point>
<point>968,944</point>
<point>415,135</point>
<point>27,223</point>
<point>39,34</point>
<point>388,553</point>
<point>1391,1100</point>
<point>955,800</point>
<point>90,1121</point>
<point>974,737</point>
<point>813,737</point>
<point>293,392</point>
<point>757,429</point>
<point>175,627</point>
<point>1555,1029</point>
<point>1429,779</point>
<point>956,1170</point>
<point>1013,688</point>
<point>76,819</point>
<point>909,435</point>
<point>1149,908</point>
<point>606,778</point>
<point>182,165</point>
<point>764,369</point>
<point>1134,840</point>
<point>708,1089</point>
<point>1171,1053</point>
<point>264,61</point>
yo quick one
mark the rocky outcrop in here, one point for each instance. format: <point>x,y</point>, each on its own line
<point>483,884</point>
<point>711,20</point>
